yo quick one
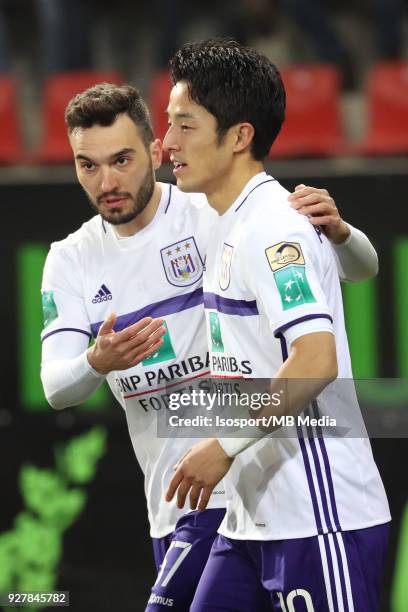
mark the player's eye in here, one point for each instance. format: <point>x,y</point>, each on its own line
<point>87,165</point>
<point>185,127</point>
<point>122,161</point>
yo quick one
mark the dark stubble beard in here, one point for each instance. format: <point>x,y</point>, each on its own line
<point>140,200</point>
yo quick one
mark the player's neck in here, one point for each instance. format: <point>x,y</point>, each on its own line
<point>225,194</point>
<point>144,218</point>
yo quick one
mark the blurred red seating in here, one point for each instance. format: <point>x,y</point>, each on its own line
<point>59,89</point>
<point>387,106</point>
<point>313,120</point>
<point>11,150</point>
<point>158,101</point>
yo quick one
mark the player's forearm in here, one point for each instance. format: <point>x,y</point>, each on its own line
<point>357,259</point>
<point>310,367</point>
<point>68,382</point>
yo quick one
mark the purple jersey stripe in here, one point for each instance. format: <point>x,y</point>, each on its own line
<point>65,329</point>
<point>230,306</point>
<point>305,456</point>
<point>341,572</point>
<point>326,461</point>
<point>286,326</point>
<point>310,482</point>
<point>331,574</point>
<point>157,309</point>
<point>312,443</point>
<point>318,469</point>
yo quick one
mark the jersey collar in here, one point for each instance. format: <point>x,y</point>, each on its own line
<point>256,181</point>
<point>253,183</point>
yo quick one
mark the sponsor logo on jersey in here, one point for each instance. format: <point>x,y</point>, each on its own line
<point>229,366</point>
<point>283,254</point>
<point>165,352</point>
<point>103,295</point>
<point>149,379</point>
<point>215,332</point>
<point>225,268</point>
<point>182,262</point>
<point>293,286</point>
<point>149,387</point>
<point>50,311</point>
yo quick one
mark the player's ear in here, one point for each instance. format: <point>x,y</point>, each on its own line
<point>244,134</point>
<point>156,152</point>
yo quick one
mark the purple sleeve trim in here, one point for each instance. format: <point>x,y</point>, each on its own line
<point>64,329</point>
<point>286,326</point>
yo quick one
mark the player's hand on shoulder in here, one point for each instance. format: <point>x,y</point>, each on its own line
<point>126,348</point>
<point>320,207</point>
<point>197,473</point>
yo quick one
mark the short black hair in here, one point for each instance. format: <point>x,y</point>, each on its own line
<point>234,83</point>
<point>103,103</point>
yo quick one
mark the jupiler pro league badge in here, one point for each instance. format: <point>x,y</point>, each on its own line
<point>288,265</point>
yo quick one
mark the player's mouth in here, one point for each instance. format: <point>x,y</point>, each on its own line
<point>114,202</point>
<point>178,168</point>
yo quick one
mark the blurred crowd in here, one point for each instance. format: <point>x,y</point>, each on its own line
<point>60,34</point>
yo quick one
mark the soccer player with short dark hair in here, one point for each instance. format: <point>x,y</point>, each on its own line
<point>306,520</point>
<point>131,278</point>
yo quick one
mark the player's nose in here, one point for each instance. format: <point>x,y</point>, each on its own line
<point>170,142</point>
<point>109,180</point>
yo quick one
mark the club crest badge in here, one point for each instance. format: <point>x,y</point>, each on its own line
<point>225,268</point>
<point>182,262</point>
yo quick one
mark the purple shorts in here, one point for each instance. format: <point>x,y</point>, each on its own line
<point>335,572</point>
<point>180,560</point>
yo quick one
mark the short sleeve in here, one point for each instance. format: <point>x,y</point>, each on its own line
<point>282,272</point>
<point>62,294</point>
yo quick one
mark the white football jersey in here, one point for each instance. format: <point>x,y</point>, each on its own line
<point>267,271</point>
<point>157,272</point>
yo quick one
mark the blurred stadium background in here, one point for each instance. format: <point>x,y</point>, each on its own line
<point>72,507</point>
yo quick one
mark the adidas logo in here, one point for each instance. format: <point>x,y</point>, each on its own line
<point>103,295</point>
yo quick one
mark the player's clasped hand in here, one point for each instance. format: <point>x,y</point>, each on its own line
<point>126,348</point>
<point>321,209</point>
<point>197,473</point>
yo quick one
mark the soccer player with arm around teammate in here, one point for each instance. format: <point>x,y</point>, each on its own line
<point>109,265</point>
<point>141,257</point>
<point>299,530</point>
